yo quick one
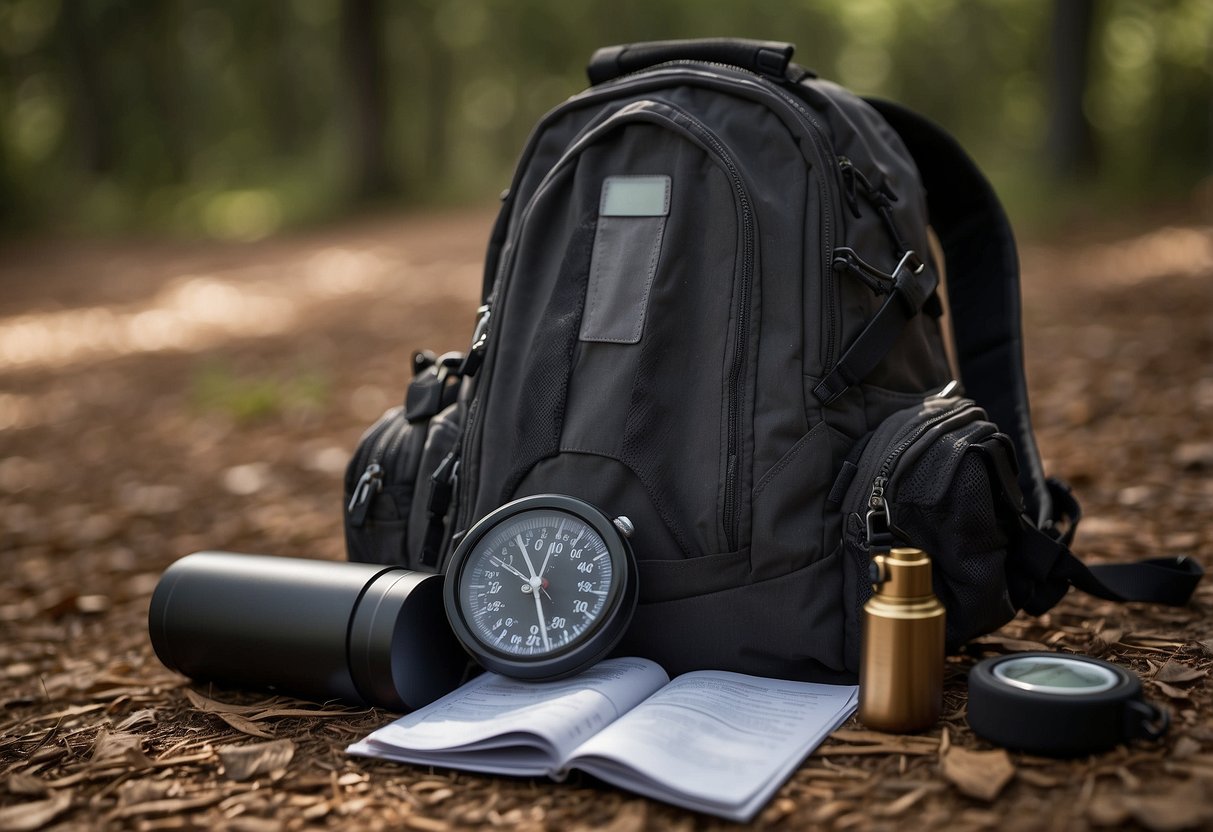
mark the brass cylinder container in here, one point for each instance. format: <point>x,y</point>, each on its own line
<point>901,672</point>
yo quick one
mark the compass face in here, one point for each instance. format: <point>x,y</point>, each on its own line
<point>537,587</point>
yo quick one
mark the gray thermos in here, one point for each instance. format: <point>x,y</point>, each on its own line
<point>324,630</point>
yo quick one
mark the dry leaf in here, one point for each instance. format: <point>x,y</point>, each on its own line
<point>1131,781</point>
<point>245,726</point>
<point>902,804</point>
<point>34,815</point>
<point>111,746</point>
<point>264,710</point>
<point>1176,673</point>
<point>242,762</point>
<point>779,809</point>
<point>1185,747</point>
<point>1151,640</point>
<point>168,807</point>
<point>26,784</point>
<point>858,736</point>
<point>826,812</point>
<point>146,790</point>
<point>1010,645</point>
<point>1038,778</point>
<point>246,823</point>
<point>144,717</point>
<point>317,810</point>
<point>1186,807</point>
<point>1173,692</point>
<point>422,786</point>
<point>210,706</point>
<point>866,750</point>
<point>137,759</point>
<point>1108,810</point>
<point>439,795</point>
<point>272,713</point>
<point>980,774</point>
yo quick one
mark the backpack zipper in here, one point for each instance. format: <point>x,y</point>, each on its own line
<point>741,348</point>
<point>876,498</point>
<point>370,483</point>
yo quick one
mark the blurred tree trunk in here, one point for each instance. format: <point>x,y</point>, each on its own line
<point>1071,146</point>
<point>93,130</point>
<point>438,97</point>
<point>161,26</point>
<point>366,94</point>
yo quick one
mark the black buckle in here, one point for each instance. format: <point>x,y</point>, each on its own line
<point>882,283</point>
<point>435,388</point>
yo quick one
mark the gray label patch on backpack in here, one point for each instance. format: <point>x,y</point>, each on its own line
<point>635,196</point>
<point>627,247</point>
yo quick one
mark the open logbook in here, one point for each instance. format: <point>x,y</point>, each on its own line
<point>712,741</point>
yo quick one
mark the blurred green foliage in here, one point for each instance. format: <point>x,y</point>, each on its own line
<point>249,398</point>
<point>234,119</point>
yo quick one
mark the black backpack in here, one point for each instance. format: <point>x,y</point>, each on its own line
<point>710,304</point>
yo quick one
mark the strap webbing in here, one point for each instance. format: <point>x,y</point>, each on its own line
<point>911,288</point>
<point>983,289</point>
<point>1049,569</point>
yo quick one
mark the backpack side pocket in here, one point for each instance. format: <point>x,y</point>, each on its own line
<point>925,476</point>
<point>429,528</point>
<point>386,479</point>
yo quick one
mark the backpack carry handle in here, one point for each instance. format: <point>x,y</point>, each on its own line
<point>768,57</point>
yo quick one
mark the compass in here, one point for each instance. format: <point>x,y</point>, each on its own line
<point>1059,704</point>
<point>542,587</point>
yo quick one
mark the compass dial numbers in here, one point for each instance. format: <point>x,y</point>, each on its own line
<point>536,584</point>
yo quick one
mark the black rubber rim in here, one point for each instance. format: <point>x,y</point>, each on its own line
<point>1058,724</point>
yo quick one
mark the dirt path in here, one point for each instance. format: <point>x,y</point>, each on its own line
<point>157,399</point>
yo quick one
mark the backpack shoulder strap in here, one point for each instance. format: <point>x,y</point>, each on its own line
<point>983,296</point>
<point>1044,569</point>
<point>983,289</point>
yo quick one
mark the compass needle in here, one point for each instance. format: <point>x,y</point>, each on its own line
<point>543,629</point>
<point>509,568</point>
<point>525,556</point>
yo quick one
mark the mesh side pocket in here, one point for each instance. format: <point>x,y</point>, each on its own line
<point>964,529</point>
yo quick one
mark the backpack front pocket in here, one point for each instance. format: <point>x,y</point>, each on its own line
<point>630,342</point>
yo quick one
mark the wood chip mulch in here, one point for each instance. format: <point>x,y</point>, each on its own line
<point>161,399</point>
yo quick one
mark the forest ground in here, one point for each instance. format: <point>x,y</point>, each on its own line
<point>160,398</point>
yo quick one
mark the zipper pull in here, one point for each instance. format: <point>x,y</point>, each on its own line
<point>480,340</point>
<point>877,522</point>
<point>876,498</point>
<point>368,485</point>
<point>847,168</point>
<point>443,483</point>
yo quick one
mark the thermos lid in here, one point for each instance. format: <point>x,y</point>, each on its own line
<point>402,653</point>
